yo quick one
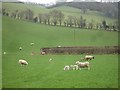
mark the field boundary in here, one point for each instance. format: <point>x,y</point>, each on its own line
<point>82,50</point>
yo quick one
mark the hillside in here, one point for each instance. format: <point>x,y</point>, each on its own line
<point>40,71</point>
<point>17,33</point>
<point>109,9</point>
<point>49,36</point>
<point>95,16</point>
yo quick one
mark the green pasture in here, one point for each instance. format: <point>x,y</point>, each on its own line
<point>22,33</point>
<point>40,73</point>
<point>90,16</point>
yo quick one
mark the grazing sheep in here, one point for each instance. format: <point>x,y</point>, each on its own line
<point>83,65</point>
<point>4,53</point>
<point>43,53</point>
<point>74,67</point>
<point>50,59</point>
<point>59,46</point>
<point>31,44</point>
<point>20,48</point>
<point>77,62</point>
<point>66,68</point>
<point>88,57</point>
<point>23,62</point>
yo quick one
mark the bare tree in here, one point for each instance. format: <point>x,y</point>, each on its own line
<point>70,21</point>
<point>29,14</point>
<point>60,17</point>
<point>54,16</point>
<point>40,17</point>
<point>75,21</point>
<point>47,15</point>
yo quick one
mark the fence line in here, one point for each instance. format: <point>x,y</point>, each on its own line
<point>82,50</point>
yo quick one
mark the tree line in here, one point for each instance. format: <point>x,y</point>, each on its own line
<point>56,17</point>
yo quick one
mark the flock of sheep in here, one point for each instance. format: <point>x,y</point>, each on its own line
<point>79,65</point>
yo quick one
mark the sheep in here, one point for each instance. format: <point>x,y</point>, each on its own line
<point>23,62</point>
<point>66,68</point>
<point>88,57</point>
<point>83,65</point>
<point>4,53</point>
<point>59,46</point>
<point>50,59</point>
<point>31,44</point>
<point>20,48</point>
<point>74,67</point>
<point>43,53</point>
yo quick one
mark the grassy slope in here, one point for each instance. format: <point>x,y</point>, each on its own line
<point>11,7</point>
<point>89,16</point>
<point>37,74</point>
<point>45,36</point>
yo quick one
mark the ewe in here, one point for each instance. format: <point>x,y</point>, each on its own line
<point>22,62</point>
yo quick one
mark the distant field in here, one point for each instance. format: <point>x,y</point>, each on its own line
<point>97,17</point>
<point>43,74</point>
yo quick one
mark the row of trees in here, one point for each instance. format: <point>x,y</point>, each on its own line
<point>56,17</point>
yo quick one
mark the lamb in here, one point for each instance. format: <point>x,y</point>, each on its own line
<point>23,62</point>
<point>74,67</point>
<point>66,68</point>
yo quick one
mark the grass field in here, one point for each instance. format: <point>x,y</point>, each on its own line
<point>43,74</point>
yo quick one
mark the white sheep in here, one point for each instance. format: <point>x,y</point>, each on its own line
<point>20,48</point>
<point>43,53</point>
<point>50,59</point>
<point>23,62</point>
<point>74,67</point>
<point>66,68</point>
<point>83,65</point>
<point>4,53</point>
<point>31,44</point>
<point>89,57</point>
<point>59,46</point>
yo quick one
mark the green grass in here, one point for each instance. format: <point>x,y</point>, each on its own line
<point>23,33</point>
<point>43,74</point>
